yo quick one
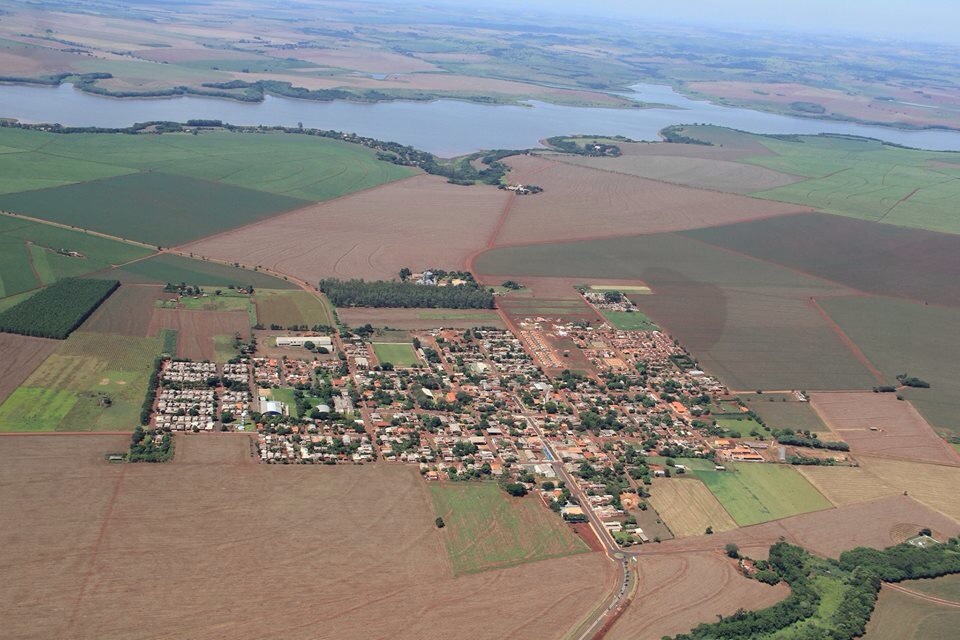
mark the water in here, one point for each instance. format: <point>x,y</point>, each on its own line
<point>443,127</point>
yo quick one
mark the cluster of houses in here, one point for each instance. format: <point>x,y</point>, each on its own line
<point>194,396</point>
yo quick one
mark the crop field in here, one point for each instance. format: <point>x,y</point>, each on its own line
<point>19,356</point>
<point>933,485</point>
<point>175,269</point>
<point>297,166</point>
<point>847,485</point>
<point>688,507</point>
<point>420,318</point>
<point>899,336</point>
<point>370,235</point>
<point>878,424</point>
<point>742,424</point>
<point>614,204</point>
<point>286,308</point>
<point>947,587</point>
<point>197,330</point>
<point>865,179</point>
<point>783,411</point>
<point>486,529</point>
<point>874,258</point>
<point>400,354</point>
<point>127,312</point>
<point>58,310</point>
<point>748,322</point>
<point>156,208</point>
<point>630,320</point>
<point>753,493</point>
<point>65,392</point>
<point>678,592</point>
<point>82,513</point>
<point>902,616</point>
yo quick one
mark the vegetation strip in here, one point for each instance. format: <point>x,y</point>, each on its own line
<point>57,310</point>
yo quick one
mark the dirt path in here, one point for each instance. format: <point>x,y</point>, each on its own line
<point>848,342</point>
<point>923,596</point>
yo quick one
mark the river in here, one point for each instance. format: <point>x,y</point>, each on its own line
<point>443,127</point>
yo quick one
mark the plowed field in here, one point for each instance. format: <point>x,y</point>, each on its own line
<point>197,329</point>
<point>19,356</point>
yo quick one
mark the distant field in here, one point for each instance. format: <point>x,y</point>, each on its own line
<point>198,332</point>
<point>174,269</point>
<point>486,529</point>
<point>933,485</point>
<point>19,356</point>
<point>847,485</point>
<point>400,354</point>
<point>754,493</point>
<point>947,587</point>
<point>783,411</point>
<point>630,320</point>
<point>900,616</point>
<point>63,394</point>
<point>420,318</point>
<point>688,507</point>
<point>155,208</point>
<point>286,308</point>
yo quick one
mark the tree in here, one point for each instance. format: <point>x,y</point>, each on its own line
<point>440,523</point>
<point>405,274</point>
<point>732,550</point>
<point>709,531</point>
<point>515,489</point>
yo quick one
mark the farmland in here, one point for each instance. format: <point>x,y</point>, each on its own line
<point>901,616</point>
<point>286,308</point>
<point>57,310</point>
<point>83,513</point>
<point>399,354</point>
<point>127,312</point>
<point>933,485</point>
<point>67,391</point>
<point>486,529</point>
<point>754,493</point>
<point>783,411</point>
<point>175,269</point>
<point>197,331</point>
<point>420,318</point>
<point>847,485</point>
<point>19,356</point>
<point>688,507</point>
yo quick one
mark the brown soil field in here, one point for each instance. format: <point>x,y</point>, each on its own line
<point>582,203</point>
<point>688,507</point>
<point>847,485</point>
<point>174,55</point>
<point>902,616</point>
<point>902,432</point>
<point>701,173</point>
<point>206,448</point>
<point>197,329</point>
<point>933,485</point>
<point>869,524</point>
<point>419,223</point>
<point>19,356</point>
<point>678,592</point>
<point>420,318</point>
<point>358,59</point>
<point>218,551</point>
<point>128,312</point>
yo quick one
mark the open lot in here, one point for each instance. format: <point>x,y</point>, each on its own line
<point>753,493</point>
<point>878,424</point>
<point>902,616</point>
<point>420,318</point>
<point>80,573</point>
<point>197,330</point>
<point>19,356</point>
<point>420,223</point>
<point>688,507</point>
<point>678,592</point>
<point>399,354</point>
<point>487,529</point>
<point>66,392</point>
<point>614,204</point>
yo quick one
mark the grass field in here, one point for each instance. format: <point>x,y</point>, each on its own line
<point>486,529</point>
<point>754,493</point>
<point>947,587</point>
<point>900,616</point>
<point>688,507</point>
<point>400,354</point>
<point>175,269</point>
<point>782,411</point>
<point>64,393</point>
<point>742,424</point>
<point>630,320</point>
<point>286,308</point>
<point>156,208</point>
<point>847,485</point>
<point>933,485</point>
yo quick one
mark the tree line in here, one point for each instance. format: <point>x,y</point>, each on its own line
<point>393,294</point>
<point>57,310</point>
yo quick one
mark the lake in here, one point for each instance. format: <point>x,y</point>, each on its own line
<point>443,127</point>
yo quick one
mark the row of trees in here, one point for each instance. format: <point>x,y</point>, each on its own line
<point>384,293</point>
<point>146,410</point>
<point>56,311</point>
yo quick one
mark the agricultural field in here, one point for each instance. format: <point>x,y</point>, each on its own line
<point>286,308</point>
<point>878,424</point>
<point>155,208</point>
<point>55,312</point>
<point>678,592</point>
<point>947,587</point>
<point>783,411</point>
<point>169,268</point>
<point>127,312</point>
<point>899,336</point>
<point>369,235</point>
<point>688,507</point>
<point>19,356</point>
<point>67,392</point>
<point>847,485</point>
<point>753,493</point>
<point>420,318</point>
<point>902,616</point>
<point>198,331</point>
<point>747,322</point>
<point>83,512</point>
<point>486,529</point>
<point>630,320</point>
<point>933,485</point>
<point>399,354</point>
<point>865,256</point>
<point>614,204</point>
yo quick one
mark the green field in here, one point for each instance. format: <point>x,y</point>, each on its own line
<point>782,411</point>
<point>175,269</point>
<point>400,354</point>
<point>291,307</point>
<point>64,393</point>
<point>630,320</point>
<point>486,529</point>
<point>743,424</point>
<point>900,616</point>
<point>285,395</point>
<point>756,492</point>
<point>156,208</point>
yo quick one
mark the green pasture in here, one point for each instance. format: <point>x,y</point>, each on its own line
<point>782,411</point>
<point>742,424</point>
<point>400,354</point>
<point>291,307</point>
<point>630,320</point>
<point>758,492</point>
<point>486,529</point>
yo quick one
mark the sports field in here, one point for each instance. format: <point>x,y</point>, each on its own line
<point>487,529</point>
<point>399,354</point>
<point>67,392</point>
<point>630,320</point>
<point>753,493</point>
